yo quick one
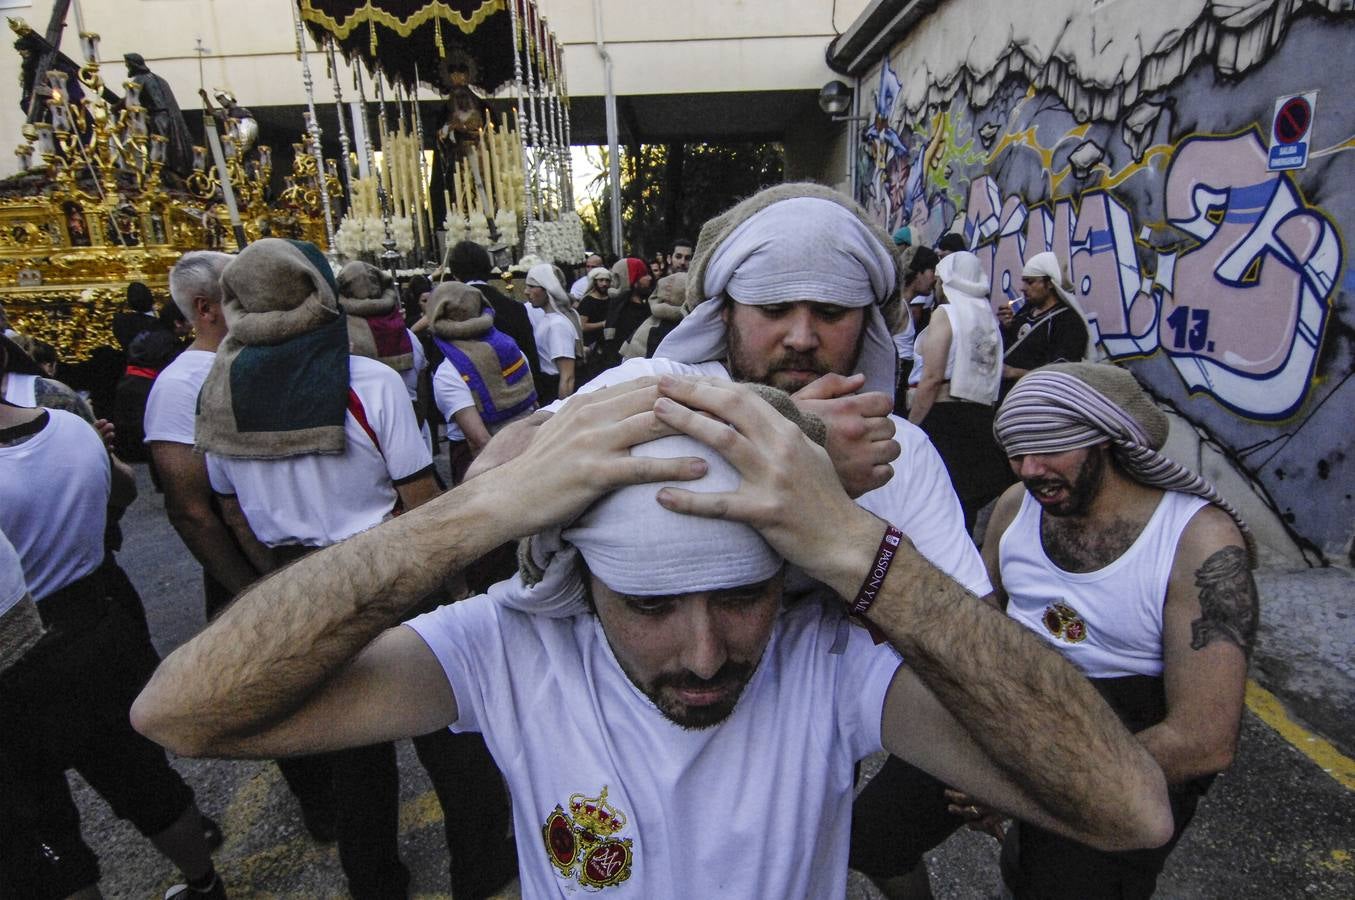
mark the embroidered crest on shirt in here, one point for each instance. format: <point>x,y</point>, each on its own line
<point>580,843</point>
<point>1064,623</point>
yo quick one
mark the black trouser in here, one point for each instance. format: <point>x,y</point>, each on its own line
<point>65,705</point>
<point>899,815</point>
<point>365,794</point>
<point>475,811</point>
<point>360,789</point>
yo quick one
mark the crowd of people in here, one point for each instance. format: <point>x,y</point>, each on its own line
<point>707,543</point>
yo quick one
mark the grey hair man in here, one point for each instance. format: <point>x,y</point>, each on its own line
<point>195,287</point>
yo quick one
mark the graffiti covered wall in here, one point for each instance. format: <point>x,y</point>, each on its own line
<point>1224,286</point>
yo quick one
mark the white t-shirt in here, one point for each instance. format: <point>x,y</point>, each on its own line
<point>919,500</point>
<point>320,499</point>
<point>172,407</point>
<point>757,806</point>
<point>12,584</point>
<point>21,390</point>
<point>554,340</point>
<point>54,491</point>
<point>411,376</point>
<point>451,394</point>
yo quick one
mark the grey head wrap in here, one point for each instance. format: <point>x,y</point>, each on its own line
<point>1068,406</point>
<point>793,242</point>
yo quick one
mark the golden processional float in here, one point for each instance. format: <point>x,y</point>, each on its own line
<point>111,190</point>
<point>500,170</point>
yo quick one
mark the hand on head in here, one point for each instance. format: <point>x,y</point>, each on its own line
<point>790,491</point>
<point>583,452</point>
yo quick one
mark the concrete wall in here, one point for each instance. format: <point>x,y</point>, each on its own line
<point>657,47</point>
<point>1132,139</point>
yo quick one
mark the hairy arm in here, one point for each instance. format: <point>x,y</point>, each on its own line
<point>1029,733</point>
<point>1208,630</point>
<point>256,552</point>
<point>284,669</point>
<point>934,352</point>
<point>188,503</point>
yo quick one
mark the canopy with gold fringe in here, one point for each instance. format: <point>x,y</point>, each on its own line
<point>410,40</point>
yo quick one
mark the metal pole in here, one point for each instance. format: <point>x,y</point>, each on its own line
<point>613,140</point>
<point>569,142</point>
<point>313,128</point>
<point>391,256</point>
<point>553,118</point>
<point>423,199</point>
<point>534,94</point>
<point>345,146</point>
<point>529,240</point>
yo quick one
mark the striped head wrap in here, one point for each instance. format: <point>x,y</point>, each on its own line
<point>1068,406</point>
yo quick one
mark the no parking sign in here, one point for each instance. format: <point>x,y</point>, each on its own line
<point>1290,130</point>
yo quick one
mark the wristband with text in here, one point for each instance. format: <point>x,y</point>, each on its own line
<point>875,578</point>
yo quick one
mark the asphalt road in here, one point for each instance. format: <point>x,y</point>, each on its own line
<point>1275,826</point>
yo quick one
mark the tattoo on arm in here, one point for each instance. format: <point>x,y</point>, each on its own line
<point>1228,605</point>
<point>55,395</point>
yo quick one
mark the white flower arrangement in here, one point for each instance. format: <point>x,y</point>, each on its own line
<point>362,235</point>
<point>557,240</point>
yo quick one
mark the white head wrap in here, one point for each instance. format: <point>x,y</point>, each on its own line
<point>1046,265</point>
<point>595,274</point>
<point>635,546</point>
<point>543,275</point>
<point>810,245</point>
<point>977,375</point>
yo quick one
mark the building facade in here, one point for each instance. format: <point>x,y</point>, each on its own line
<point>1193,164</point>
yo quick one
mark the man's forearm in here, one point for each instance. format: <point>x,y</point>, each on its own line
<point>286,635</point>
<point>1033,714</point>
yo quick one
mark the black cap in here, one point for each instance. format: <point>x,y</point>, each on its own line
<point>951,242</point>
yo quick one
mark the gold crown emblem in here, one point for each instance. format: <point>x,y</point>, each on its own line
<point>595,814</point>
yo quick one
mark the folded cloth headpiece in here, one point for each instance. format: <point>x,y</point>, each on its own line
<point>279,384</point>
<point>793,242</point>
<point>635,546</point>
<point>457,311</point>
<point>488,361</point>
<point>595,274</point>
<point>376,323</point>
<point>544,275</point>
<point>1068,406</point>
<point>626,272</point>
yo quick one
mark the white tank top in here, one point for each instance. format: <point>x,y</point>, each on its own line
<point>1108,623</point>
<point>21,390</point>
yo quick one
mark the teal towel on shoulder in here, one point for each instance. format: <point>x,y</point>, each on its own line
<point>299,384</point>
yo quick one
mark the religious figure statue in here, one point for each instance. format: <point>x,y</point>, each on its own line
<point>162,113</point>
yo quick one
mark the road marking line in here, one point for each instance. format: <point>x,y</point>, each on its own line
<point>1268,709</point>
